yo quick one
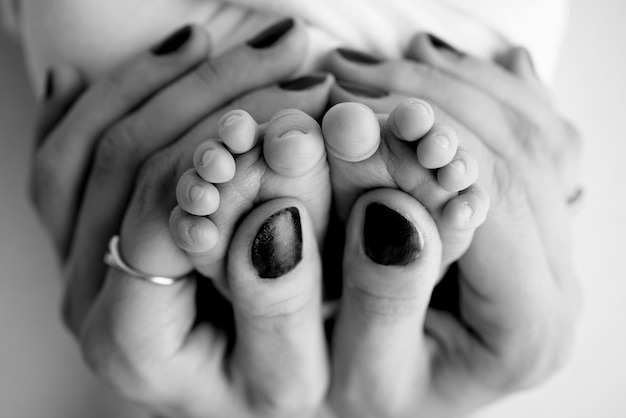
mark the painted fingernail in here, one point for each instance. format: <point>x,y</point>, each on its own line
<point>443,45</point>
<point>358,56</point>
<point>49,86</point>
<point>362,90</point>
<point>389,238</point>
<point>173,42</point>
<point>277,246</point>
<point>303,83</point>
<point>271,35</point>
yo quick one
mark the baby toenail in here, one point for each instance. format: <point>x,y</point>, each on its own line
<point>442,141</point>
<point>419,106</point>
<point>231,120</point>
<point>293,132</point>
<point>194,233</point>
<point>459,165</point>
<point>207,157</point>
<point>466,211</point>
<point>195,192</point>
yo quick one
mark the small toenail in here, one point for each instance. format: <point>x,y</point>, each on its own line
<point>194,233</point>
<point>195,192</point>
<point>293,132</point>
<point>466,212</point>
<point>459,165</point>
<point>207,157</point>
<point>231,120</point>
<point>442,141</point>
<point>419,105</point>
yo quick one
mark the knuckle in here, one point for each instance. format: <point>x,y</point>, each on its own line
<point>211,74</point>
<point>379,307</point>
<point>530,139</point>
<point>290,400</point>
<point>531,357</point>
<point>156,182</point>
<point>133,375</point>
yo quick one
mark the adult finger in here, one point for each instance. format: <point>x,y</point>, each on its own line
<point>518,86</point>
<point>61,163</point>
<point>521,91</point>
<point>391,264</point>
<point>63,87</point>
<point>274,272</point>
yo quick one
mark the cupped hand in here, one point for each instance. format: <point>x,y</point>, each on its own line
<point>96,140</point>
<point>515,293</point>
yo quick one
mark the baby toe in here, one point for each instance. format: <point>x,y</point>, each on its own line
<point>468,210</point>
<point>293,143</point>
<point>438,147</point>
<point>351,132</point>
<point>213,162</point>
<point>238,131</point>
<point>461,173</point>
<point>195,196</point>
<point>194,234</point>
<point>411,119</point>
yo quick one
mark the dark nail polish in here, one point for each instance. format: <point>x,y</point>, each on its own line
<point>388,237</point>
<point>362,90</point>
<point>271,35</point>
<point>443,45</point>
<point>277,246</point>
<point>49,86</point>
<point>173,42</point>
<point>358,56</point>
<point>303,83</point>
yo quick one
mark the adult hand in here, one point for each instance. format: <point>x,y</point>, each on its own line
<point>516,288</point>
<point>85,169</point>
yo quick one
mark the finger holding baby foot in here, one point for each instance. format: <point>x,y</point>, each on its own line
<point>236,172</point>
<point>368,152</point>
<point>391,265</point>
<point>279,363</point>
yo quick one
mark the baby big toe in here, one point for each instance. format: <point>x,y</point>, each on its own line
<point>238,131</point>
<point>196,196</point>
<point>351,132</point>
<point>293,143</point>
<point>461,173</point>
<point>213,162</point>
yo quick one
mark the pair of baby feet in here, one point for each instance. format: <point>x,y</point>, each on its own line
<point>353,151</point>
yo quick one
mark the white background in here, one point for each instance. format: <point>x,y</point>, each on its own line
<point>41,371</point>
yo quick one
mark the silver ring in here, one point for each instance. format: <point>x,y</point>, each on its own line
<point>113,259</point>
<point>575,198</point>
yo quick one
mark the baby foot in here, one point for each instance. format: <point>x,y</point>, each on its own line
<point>406,150</point>
<point>236,173</point>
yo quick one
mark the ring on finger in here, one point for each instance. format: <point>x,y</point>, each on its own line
<point>113,259</point>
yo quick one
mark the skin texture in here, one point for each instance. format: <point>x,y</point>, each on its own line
<point>513,320</point>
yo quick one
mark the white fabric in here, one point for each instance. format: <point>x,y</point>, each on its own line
<point>94,34</point>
